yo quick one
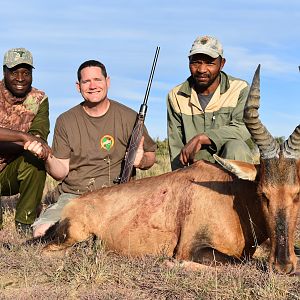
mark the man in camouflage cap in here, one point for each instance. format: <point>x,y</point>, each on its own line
<point>24,119</point>
<point>205,113</point>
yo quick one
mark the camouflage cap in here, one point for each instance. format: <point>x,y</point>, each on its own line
<point>207,45</point>
<point>17,56</point>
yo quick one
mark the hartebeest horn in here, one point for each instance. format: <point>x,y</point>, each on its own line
<point>267,145</point>
<point>291,147</point>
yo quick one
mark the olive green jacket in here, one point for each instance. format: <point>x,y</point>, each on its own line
<point>221,121</point>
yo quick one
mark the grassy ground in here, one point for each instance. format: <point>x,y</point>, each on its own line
<point>90,272</point>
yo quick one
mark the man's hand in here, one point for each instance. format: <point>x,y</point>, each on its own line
<point>144,160</point>
<point>37,146</point>
<point>139,154</point>
<point>188,152</point>
<point>13,141</point>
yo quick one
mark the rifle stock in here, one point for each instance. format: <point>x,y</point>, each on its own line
<point>137,131</point>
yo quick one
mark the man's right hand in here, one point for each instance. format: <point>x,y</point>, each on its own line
<point>37,146</point>
<point>188,152</point>
<point>12,141</point>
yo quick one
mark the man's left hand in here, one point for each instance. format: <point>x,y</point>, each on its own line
<point>139,154</point>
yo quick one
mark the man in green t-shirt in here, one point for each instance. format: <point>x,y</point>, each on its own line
<point>23,109</point>
<point>90,142</point>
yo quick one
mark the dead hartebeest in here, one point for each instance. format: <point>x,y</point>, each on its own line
<point>202,212</point>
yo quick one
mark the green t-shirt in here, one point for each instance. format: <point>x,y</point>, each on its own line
<point>95,146</point>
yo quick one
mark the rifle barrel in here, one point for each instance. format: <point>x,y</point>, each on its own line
<point>151,75</point>
<point>137,131</point>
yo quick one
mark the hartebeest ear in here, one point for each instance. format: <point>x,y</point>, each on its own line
<point>241,169</point>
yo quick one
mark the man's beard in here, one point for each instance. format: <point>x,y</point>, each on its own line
<point>202,86</point>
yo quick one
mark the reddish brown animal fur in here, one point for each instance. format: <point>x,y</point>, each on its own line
<point>202,212</point>
<point>182,213</point>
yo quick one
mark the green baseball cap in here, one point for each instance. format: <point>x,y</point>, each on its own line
<point>17,56</point>
<point>207,45</point>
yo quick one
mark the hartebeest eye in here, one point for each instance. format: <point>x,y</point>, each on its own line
<point>297,198</point>
<point>265,199</point>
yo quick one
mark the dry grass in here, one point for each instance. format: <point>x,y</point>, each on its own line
<point>90,272</point>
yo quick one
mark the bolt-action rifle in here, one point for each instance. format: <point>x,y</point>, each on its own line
<point>137,131</point>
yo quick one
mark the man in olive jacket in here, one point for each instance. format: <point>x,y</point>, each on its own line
<point>205,113</point>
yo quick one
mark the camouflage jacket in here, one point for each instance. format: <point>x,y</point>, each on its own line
<point>29,114</point>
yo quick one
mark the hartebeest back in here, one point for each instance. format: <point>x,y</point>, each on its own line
<point>202,212</point>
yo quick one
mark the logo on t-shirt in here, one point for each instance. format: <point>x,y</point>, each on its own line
<point>107,142</point>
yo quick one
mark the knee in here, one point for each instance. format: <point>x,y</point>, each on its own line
<point>30,161</point>
<point>30,164</point>
<point>236,150</point>
<point>40,230</point>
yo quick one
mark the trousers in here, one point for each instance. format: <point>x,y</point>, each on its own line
<point>25,175</point>
<point>236,150</point>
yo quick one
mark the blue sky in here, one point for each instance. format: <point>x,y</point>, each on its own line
<point>124,34</point>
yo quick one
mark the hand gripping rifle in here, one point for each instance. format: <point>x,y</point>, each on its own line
<point>137,131</point>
